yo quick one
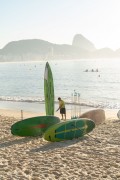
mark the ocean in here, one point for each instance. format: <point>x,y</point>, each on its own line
<point>95,81</point>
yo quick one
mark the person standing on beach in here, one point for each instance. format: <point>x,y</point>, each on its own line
<point>62,108</point>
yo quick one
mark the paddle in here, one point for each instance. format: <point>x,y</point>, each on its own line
<point>87,134</point>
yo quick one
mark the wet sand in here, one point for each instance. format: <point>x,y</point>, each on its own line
<point>95,156</point>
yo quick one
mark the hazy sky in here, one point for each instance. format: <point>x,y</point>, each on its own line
<point>58,21</point>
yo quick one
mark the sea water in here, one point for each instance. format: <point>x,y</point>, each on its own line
<point>97,81</point>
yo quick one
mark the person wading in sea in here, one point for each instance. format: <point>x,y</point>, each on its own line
<point>62,108</point>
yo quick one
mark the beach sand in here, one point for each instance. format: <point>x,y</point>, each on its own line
<point>33,158</point>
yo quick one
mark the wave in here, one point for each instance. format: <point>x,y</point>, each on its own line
<point>83,102</point>
<point>21,99</point>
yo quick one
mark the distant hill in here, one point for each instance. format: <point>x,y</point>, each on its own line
<point>36,49</point>
<point>104,52</point>
<point>26,46</point>
<point>83,43</point>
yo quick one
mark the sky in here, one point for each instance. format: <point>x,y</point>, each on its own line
<point>58,21</point>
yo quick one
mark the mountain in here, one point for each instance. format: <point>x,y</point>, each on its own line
<point>36,49</point>
<point>104,52</point>
<point>83,43</point>
<point>26,46</point>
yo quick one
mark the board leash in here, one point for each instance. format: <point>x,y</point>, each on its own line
<point>87,134</point>
<point>94,138</point>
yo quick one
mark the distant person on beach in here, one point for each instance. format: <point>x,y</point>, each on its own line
<point>62,108</point>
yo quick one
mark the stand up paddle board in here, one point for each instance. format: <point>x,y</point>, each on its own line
<point>48,90</point>
<point>69,129</point>
<point>34,126</point>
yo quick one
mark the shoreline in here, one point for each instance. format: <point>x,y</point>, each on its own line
<point>20,113</point>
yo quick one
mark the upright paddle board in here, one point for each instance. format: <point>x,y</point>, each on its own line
<point>48,90</point>
<point>34,126</point>
<point>69,129</point>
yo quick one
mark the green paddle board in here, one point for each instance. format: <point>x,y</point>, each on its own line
<point>48,90</point>
<point>34,126</point>
<point>69,129</point>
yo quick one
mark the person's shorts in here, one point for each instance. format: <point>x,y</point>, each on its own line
<point>62,111</point>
